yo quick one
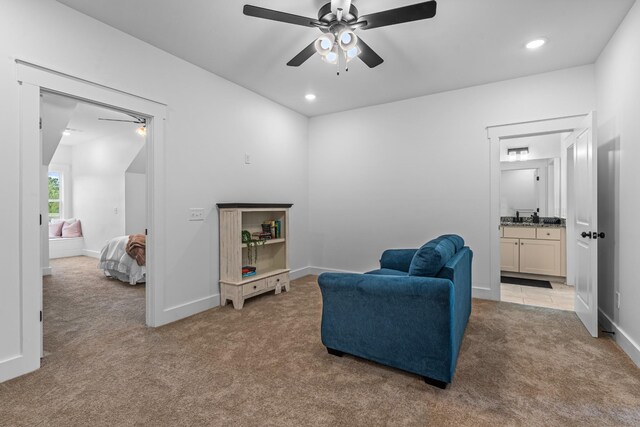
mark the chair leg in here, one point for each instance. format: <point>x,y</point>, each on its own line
<point>335,352</point>
<point>435,383</point>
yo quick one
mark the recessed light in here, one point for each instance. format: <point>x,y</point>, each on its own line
<point>310,97</point>
<point>535,44</point>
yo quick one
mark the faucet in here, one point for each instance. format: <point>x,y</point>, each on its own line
<point>517,216</point>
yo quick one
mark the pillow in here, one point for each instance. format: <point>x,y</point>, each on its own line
<point>457,241</point>
<point>431,257</point>
<point>72,229</point>
<point>55,229</point>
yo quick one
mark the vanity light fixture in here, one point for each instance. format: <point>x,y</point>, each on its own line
<point>519,153</point>
<point>519,150</point>
<point>535,44</point>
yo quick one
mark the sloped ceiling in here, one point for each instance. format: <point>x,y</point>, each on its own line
<point>469,42</point>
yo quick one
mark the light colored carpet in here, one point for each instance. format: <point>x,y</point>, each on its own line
<point>265,365</point>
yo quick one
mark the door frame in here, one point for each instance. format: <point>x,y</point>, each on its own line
<point>33,79</point>
<point>496,133</point>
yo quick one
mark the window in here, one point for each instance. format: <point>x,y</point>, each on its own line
<point>55,195</point>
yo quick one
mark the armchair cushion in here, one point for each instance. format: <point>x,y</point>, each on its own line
<point>397,259</point>
<point>457,241</point>
<point>431,257</point>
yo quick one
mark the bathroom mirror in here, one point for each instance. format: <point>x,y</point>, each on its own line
<point>531,186</point>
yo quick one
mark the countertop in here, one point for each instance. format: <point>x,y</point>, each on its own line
<point>531,224</point>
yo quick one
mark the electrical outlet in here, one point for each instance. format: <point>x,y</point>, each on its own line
<point>115,211</point>
<point>247,159</point>
<point>618,299</point>
<point>196,214</point>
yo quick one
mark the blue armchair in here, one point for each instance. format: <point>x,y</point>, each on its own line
<point>409,314</point>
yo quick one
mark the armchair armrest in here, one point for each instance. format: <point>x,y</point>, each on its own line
<point>398,321</point>
<point>397,259</point>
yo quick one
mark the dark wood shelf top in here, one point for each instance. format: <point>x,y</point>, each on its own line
<point>253,205</point>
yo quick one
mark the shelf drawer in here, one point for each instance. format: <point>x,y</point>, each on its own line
<point>520,232</point>
<point>280,279</point>
<point>549,233</point>
<point>253,287</point>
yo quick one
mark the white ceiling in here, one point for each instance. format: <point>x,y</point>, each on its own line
<point>469,42</point>
<point>84,124</point>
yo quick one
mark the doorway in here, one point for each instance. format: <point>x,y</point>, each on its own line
<point>536,246</point>
<point>93,202</point>
<point>32,80</point>
<point>533,210</point>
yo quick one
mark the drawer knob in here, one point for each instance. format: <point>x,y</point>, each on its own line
<point>516,243</point>
<point>277,280</point>
<point>255,287</point>
<point>548,234</point>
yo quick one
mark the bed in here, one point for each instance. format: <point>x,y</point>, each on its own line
<point>116,263</point>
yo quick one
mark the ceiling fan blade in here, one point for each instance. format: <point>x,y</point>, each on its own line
<point>305,54</point>
<point>367,55</point>
<point>274,15</point>
<point>414,12</point>
<point>119,120</point>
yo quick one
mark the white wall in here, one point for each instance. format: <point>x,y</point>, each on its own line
<point>99,186</point>
<point>399,174</point>
<point>618,89</point>
<point>211,123</point>
<point>135,195</point>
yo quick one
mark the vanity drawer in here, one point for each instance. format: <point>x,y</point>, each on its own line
<point>280,279</point>
<point>549,233</point>
<point>253,287</point>
<point>520,232</point>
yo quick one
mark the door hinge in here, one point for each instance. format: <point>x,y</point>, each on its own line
<point>40,122</point>
<point>537,178</point>
<point>145,231</point>
<point>40,219</point>
<point>41,315</point>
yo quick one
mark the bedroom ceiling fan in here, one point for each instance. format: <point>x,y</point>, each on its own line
<point>142,130</point>
<point>338,22</point>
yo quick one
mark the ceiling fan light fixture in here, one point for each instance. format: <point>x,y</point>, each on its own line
<point>142,130</point>
<point>331,57</point>
<point>352,53</point>
<point>347,40</point>
<point>324,44</point>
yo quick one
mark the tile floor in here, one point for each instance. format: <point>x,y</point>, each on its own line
<point>560,297</point>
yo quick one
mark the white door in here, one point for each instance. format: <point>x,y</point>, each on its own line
<point>584,238</point>
<point>21,301</point>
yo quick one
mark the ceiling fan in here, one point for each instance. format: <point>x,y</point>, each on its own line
<point>142,130</point>
<point>338,21</point>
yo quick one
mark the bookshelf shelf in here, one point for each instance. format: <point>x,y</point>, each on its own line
<point>267,242</point>
<point>270,259</point>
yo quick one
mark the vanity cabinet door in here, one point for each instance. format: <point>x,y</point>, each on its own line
<point>509,254</point>
<point>540,257</point>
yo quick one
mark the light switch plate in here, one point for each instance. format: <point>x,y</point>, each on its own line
<point>196,214</point>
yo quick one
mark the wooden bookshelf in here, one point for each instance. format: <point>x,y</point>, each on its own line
<point>272,263</point>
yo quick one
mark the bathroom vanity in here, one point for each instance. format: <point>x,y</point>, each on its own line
<point>533,249</point>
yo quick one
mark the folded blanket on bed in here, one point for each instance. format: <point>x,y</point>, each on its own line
<point>136,248</point>
<point>115,260</point>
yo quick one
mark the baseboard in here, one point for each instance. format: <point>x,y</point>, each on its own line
<point>316,271</point>
<point>300,272</point>
<point>187,309</point>
<point>484,293</point>
<point>625,342</point>
<point>90,253</point>
<point>46,271</point>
